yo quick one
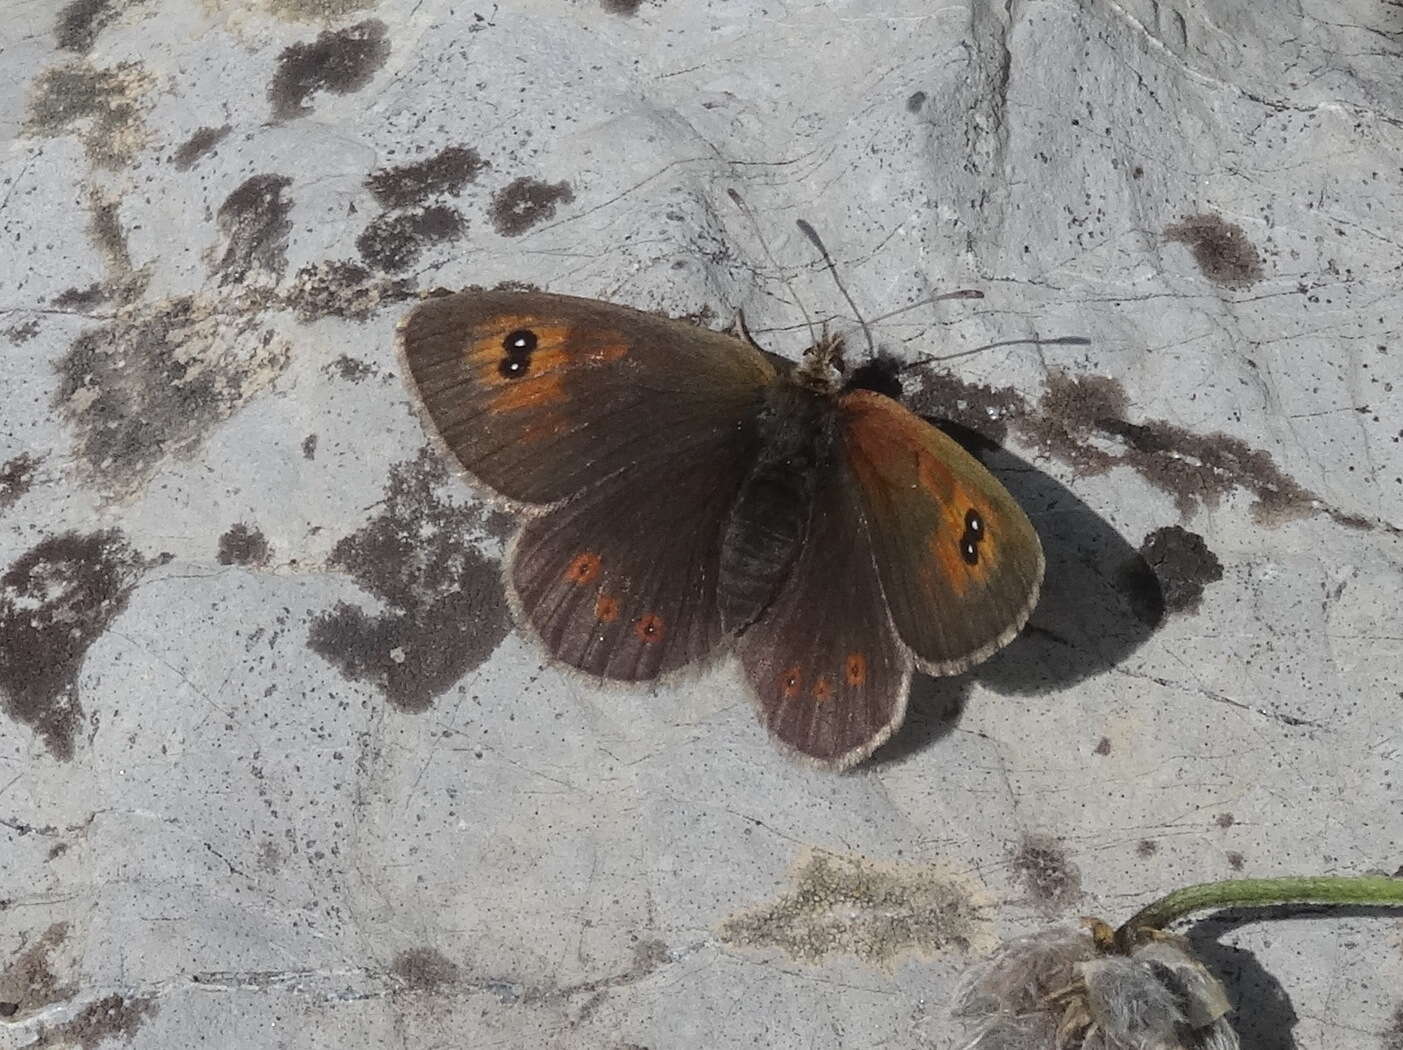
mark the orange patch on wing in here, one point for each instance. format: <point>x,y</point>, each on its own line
<point>558,348</point>
<point>855,668</point>
<point>583,567</point>
<point>790,683</point>
<point>649,628</point>
<point>538,389</point>
<point>531,391</point>
<point>606,610</point>
<point>946,568</point>
<point>823,688</point>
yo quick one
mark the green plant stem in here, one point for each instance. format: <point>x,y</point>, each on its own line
<point>1377,890</point>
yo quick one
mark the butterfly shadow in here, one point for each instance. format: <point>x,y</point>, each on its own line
<point>1100,602</point>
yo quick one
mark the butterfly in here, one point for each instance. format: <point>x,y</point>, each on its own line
<point>683,491</point>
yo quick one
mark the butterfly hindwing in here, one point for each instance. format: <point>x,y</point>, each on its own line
<point>621,581</point>
<point>541,396</point>
<point>960,562</point>
<point>823,659</point>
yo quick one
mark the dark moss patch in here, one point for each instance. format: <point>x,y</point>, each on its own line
<point>1083,420</point>
<point>104,106</point>
<point>202,142</point>
<point>309,447</point>
<point>1236,861</point>
<point>1146,848</point>
<point>105,229</point>
<point>16,478</point>
<point>351,369</point>
<point>1103,746</point>
<point>28,982</point>
<point>852,906</point>
<point>424,969</point>
<point>444,608</point>
<point>1225,820</point>
<point>243,545</point>
<point>80,22</point>
<point>55,601</point>
<point>1183,564</point>
<point>254,221</point>
<point>340,61</point>
<point>111,1017</point>
<point>22,332</point>
<point>524,202</point>
<point>393,241</point>
<point>627,8</point>
<point>1044,870</point>
<point>1221,249</point>
<point>984,410</point>
<point>153,381</point>
<point>80,298</point>
<point>915,102</point>
<point>1076,410</point>
<point>447,171</point>
<point>344,289</point>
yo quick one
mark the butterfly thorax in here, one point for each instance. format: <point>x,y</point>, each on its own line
<point>822,366</point>
<point>770,518</point>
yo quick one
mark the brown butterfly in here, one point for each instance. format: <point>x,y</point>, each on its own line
<point>682,488</point>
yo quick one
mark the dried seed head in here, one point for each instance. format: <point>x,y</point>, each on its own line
<point>1062,989</point>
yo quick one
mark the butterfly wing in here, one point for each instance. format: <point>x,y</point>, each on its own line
<point>959,561</point>
<point>634,434</point>
<point>621,581</point>
<point>541,396</point>
<point>824,659</point>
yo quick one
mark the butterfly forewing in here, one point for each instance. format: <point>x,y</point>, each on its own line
<point>541,396</point>
<point>830,674</point>
<point>960,562</point>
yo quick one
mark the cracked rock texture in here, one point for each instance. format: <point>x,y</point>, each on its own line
<point>275,769</point>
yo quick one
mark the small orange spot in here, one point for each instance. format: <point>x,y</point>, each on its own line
<point>790,683</point>
<point>649,628</point>
<point>823,688</point>
<point>855,668</point>
<point>583,568</point>
<point>606,610</point>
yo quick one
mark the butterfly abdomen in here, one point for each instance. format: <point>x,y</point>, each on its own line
<point>771,513</point>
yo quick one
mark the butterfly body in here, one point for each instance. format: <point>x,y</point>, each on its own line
<point>770,516</point>
<point>683,490</point>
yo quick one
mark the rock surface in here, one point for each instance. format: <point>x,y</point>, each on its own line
<point>275,769</point>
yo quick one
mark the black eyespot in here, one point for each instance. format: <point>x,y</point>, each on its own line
<point>513,367</point>
<point>969,550</point>
<point>522,341</point>
<point>974,524</point>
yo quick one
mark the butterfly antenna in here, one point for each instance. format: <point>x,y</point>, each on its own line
<point>765,246</point>
<point>963,293</point>
<point>1062,340</point>
<point>812,234</point>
